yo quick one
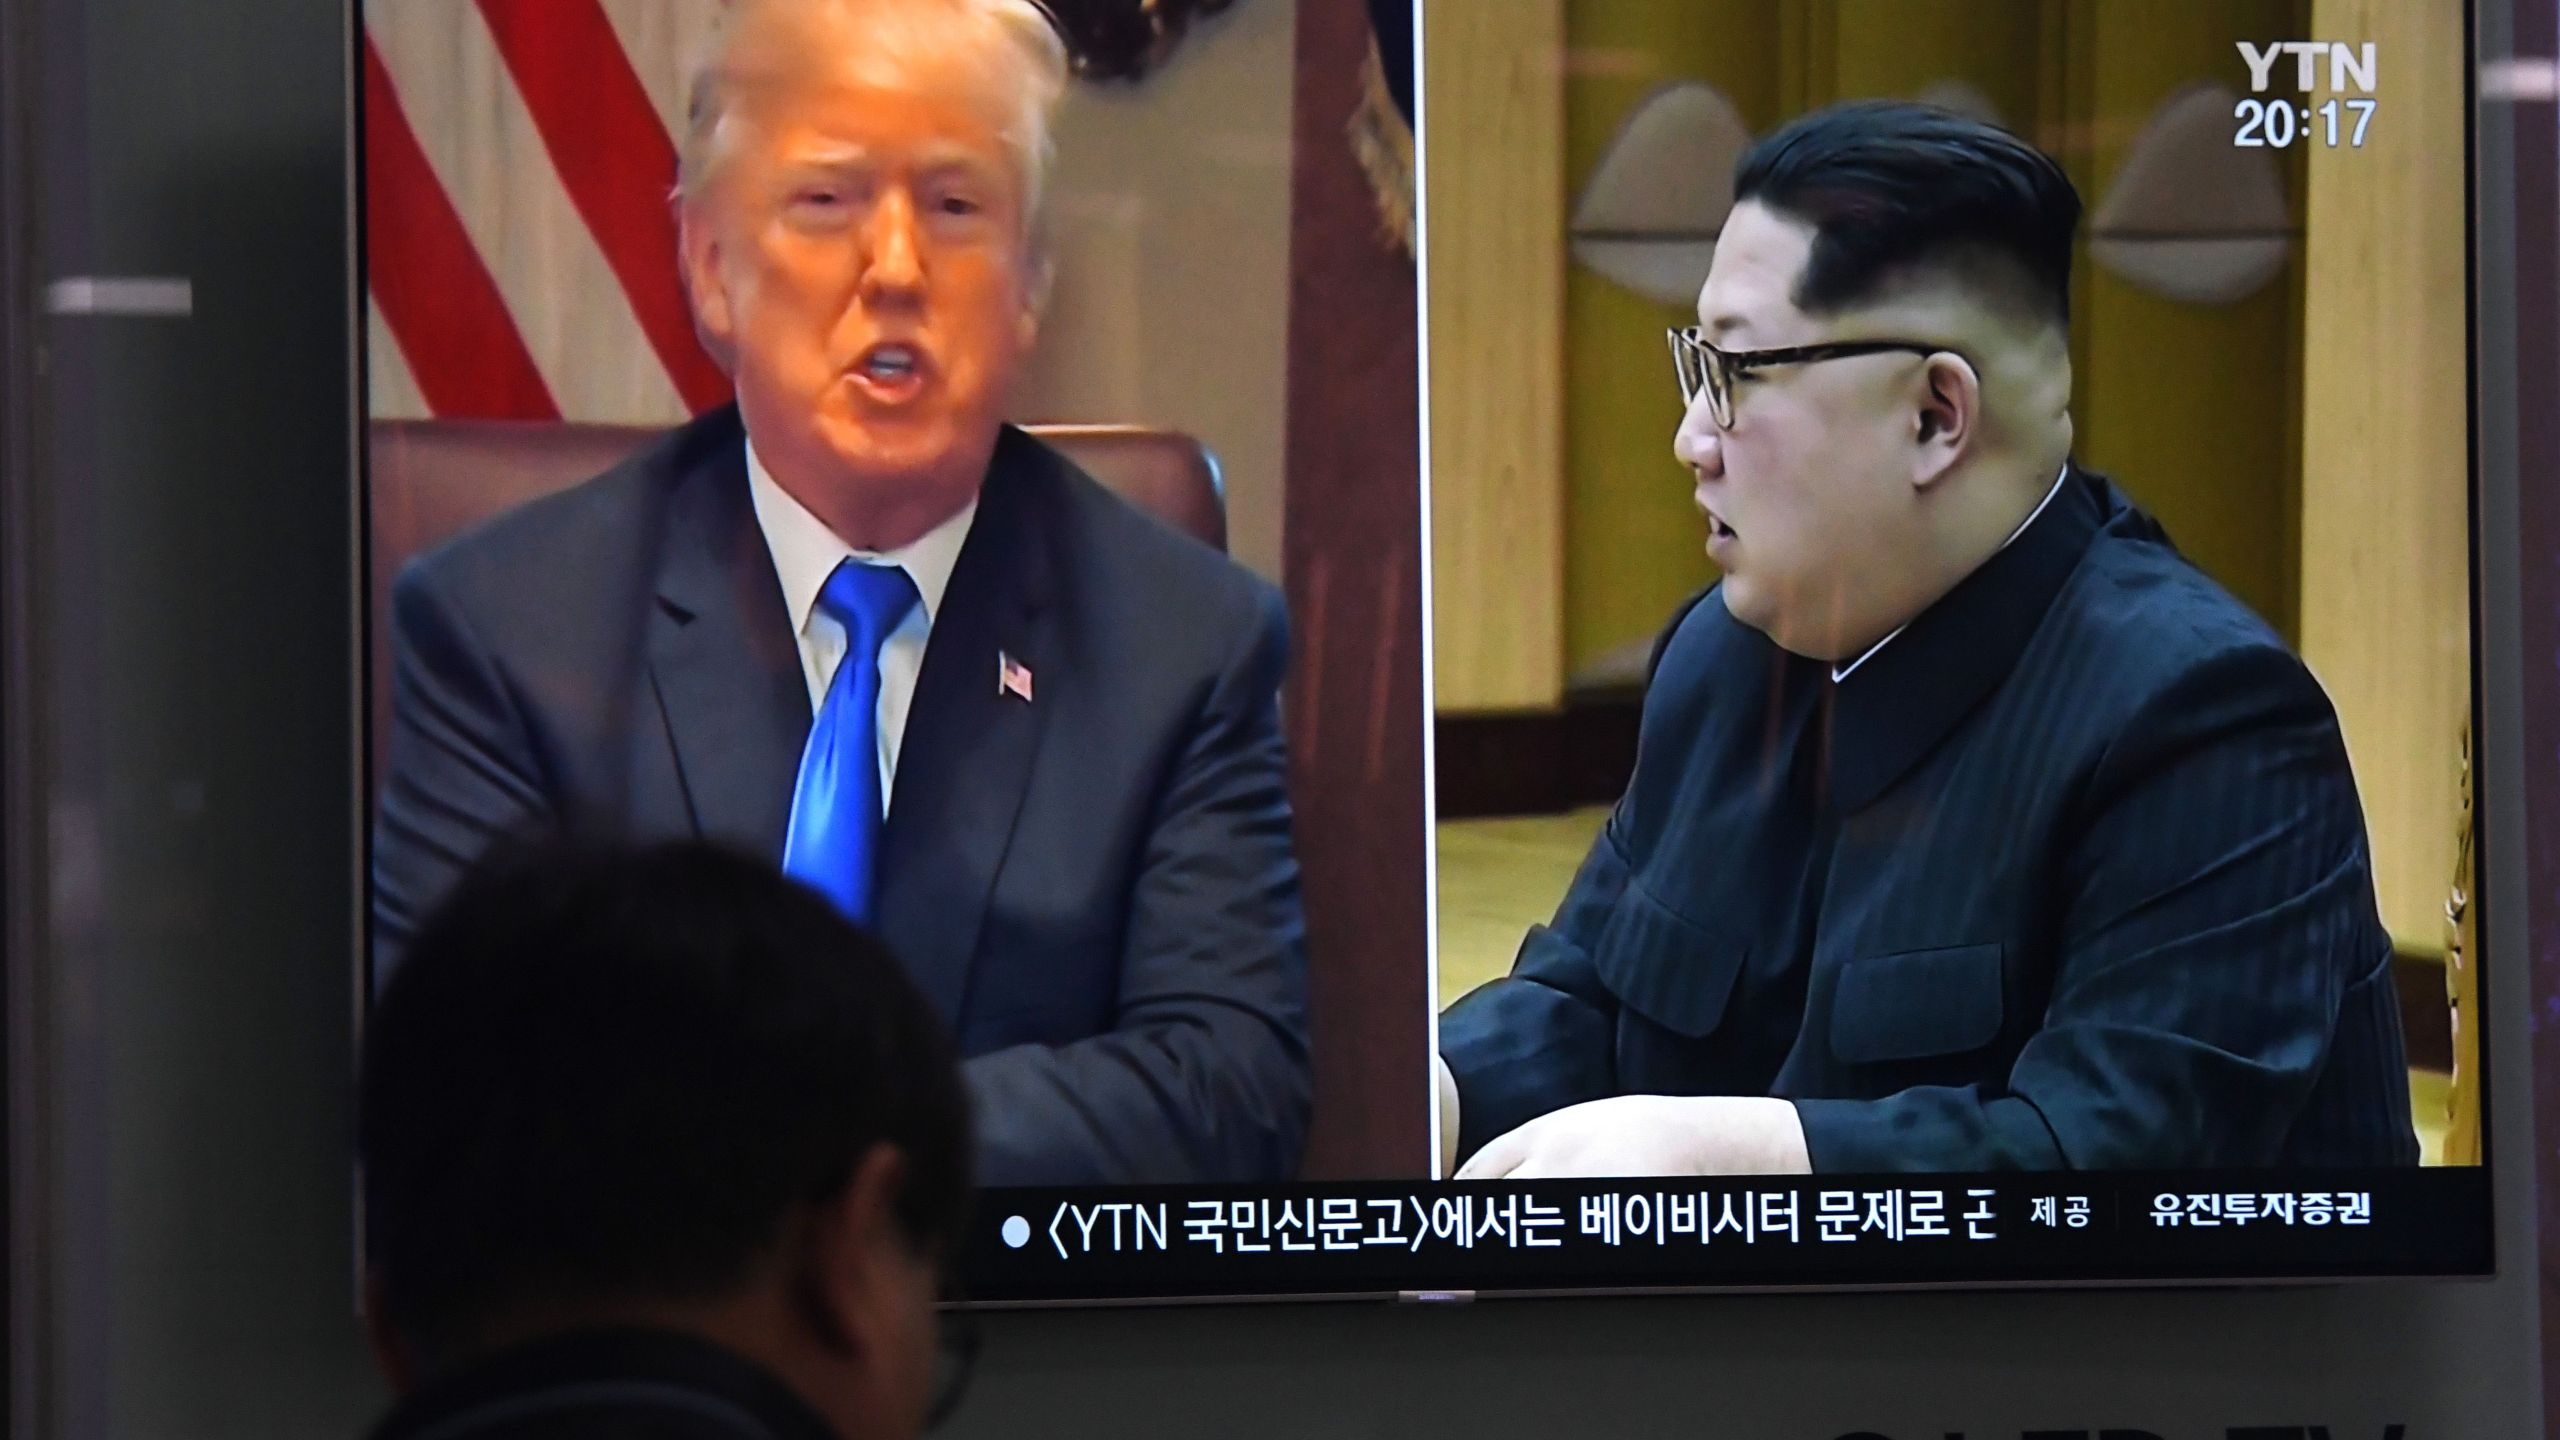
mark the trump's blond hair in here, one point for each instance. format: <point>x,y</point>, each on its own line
<point>1025,69</point>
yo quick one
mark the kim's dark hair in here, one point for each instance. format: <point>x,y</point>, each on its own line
<point>607,1074</point>
<point>1893,189</point>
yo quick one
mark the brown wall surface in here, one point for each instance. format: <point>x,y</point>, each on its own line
<point>1352,545</point>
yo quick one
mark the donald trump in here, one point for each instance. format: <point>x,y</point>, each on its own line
<point>857,623</point>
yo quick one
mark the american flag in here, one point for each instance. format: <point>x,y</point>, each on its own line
<point>1012,677</point>
<point>520,250</point>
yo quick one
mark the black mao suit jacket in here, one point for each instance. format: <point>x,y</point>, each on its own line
<point>2070,873</point>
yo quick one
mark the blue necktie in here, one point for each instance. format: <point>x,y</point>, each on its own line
<point>835,806</point>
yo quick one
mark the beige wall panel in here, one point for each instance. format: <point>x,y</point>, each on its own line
<point>1493,113</point>
<point>2385,544</point>
<point>1169,213</point>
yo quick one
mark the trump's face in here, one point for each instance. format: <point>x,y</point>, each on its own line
<point>861,252</point>
<point>1806,493</point>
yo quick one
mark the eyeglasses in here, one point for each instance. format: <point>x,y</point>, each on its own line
<point>955,1355</point>
<point>1703,367</point>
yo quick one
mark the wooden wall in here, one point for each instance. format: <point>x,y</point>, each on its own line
<point>2386,543</point>
<point>1493,94</point>
<point>1352,555</point>
<point>2192,408</point>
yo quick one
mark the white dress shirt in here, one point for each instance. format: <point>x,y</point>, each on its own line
<point>806,552</point>
<point>1841,672</point>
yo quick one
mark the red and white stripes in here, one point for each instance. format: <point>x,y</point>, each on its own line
<point>520,244</point>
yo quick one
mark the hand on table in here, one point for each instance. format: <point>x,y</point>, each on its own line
<point>1631,1135</point>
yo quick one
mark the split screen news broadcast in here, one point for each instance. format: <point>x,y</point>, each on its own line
<point>1574,645</point>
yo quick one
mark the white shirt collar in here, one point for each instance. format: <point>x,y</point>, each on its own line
<point>806,552</point>
<point>1841,672</point>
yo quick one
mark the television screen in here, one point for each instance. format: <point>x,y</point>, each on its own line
<point>1615,645</point>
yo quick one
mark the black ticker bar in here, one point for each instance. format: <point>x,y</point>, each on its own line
<point>1754,1232</point>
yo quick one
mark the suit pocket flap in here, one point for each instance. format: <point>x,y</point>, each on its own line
<point>1664,966</point>
<point>1916,1004</point>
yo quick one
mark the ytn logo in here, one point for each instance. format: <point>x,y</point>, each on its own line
<point>2350,66</point>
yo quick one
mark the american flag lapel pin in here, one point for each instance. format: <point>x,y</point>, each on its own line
<point>1012,677</point>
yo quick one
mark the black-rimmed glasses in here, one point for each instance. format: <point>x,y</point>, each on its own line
<point>1705,369</point>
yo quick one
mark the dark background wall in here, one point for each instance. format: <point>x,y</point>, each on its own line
<point>180,1108</point>
<point>2535,316</point>
<point>178,604</point>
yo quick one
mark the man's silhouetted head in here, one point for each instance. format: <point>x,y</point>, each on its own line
<point>667,1089</point>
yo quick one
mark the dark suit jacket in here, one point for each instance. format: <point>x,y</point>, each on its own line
<point>606,1385</point>
<point>1096,889</point>
<point>2071,873</point>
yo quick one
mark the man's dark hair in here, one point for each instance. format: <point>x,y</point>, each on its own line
<point>1892,188</point>
<point>604,1075</point>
